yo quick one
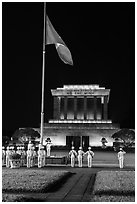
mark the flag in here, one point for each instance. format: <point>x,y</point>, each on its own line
<point>52,37</point>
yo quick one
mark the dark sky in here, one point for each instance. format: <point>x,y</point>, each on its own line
<point>101,38</point>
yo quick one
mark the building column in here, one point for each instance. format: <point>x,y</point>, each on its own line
<point>102,106</point>
<point>56,110</point>
<point>105,111</point>
<point>65,107</point>
<point>85,108</point>
<point>75,107</point>
<point>95,108</point>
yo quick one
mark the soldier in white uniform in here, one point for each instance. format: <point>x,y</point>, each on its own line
<point>90,155</point>
<point>34,154</point>
<point>80,156</point>
<point>121,157</point>
<point>8,152</point>
<point>30,156</point>
<point>41,156</point>
<point>48,147</point>
<point>73,155</point>
<point>23,154</point>
<point>3,156</point>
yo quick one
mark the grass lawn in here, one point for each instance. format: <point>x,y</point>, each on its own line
<point>16,182</point>
<point>114,186</point>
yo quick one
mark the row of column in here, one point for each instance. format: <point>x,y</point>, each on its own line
<point>57,103</point>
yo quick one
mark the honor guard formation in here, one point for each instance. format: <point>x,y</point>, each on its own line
<point>31,157</point>
<point>80,156</point>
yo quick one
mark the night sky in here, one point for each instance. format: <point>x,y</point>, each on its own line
<point>101,38</point>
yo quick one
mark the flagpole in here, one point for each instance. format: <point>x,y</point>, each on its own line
<point>43,76</point>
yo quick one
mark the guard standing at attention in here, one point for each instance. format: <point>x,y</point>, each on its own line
<point>121,157</point>
<point>90,155</point>
<point>41,156</point>
<point>48,147</point>
<point>3,156</point>
<point>23,155</point>
<point>30,156</point>
<point>80,156</point>
<point>8,152</point>
<point>73,155</point>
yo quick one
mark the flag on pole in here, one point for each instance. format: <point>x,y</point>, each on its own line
<point>52,37</point>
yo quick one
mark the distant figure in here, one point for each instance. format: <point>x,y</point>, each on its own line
<point>90,155</point>
<point>8,152</point>
<point>73,155</point>
<point>30,156</point>
<point>23,156</point>
<point>48,147</point>
<point>3,156</point>
<point>34,154</point>
<point>80,156</point>
<point>41,157</point>
<point>121,157</point>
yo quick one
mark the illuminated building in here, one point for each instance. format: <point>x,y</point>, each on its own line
<point>80,116</point>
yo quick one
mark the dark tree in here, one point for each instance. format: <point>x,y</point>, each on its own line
<point>125,136</point>
<point>25,135</point>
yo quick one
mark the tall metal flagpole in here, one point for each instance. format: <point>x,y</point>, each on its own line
<point>43,75</point>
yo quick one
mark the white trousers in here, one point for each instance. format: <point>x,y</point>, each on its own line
<point>29,162</point>
<point>41,162</point>
<point>7,162</point>
<point>89,161</point>
<point>80,161</point>
<point>72,161</point>
<point>48,152</point>
<point>121,161</point>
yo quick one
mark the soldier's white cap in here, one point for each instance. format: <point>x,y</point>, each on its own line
<point>18,147</point>
<point>72,147</point>
<point>8,147</point>
<point>80,147</point>
<point>3,147</point>
<point>120,148</point>
<point>89,147</point>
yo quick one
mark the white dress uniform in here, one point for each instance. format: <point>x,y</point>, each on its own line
<point>8,152</point>
<point>29,158</point>
<point>80,156</point>
<point>121,157</point>
<point>41,157</point>
<point>73,155</point>
<point>30,155</point>
<point>48,147</point>
<point>33,156</point>
<point>3,156</point>
<point>90,155</point>
<point>23,155</point>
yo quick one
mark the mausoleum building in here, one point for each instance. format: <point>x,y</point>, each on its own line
<point>80,116</point>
